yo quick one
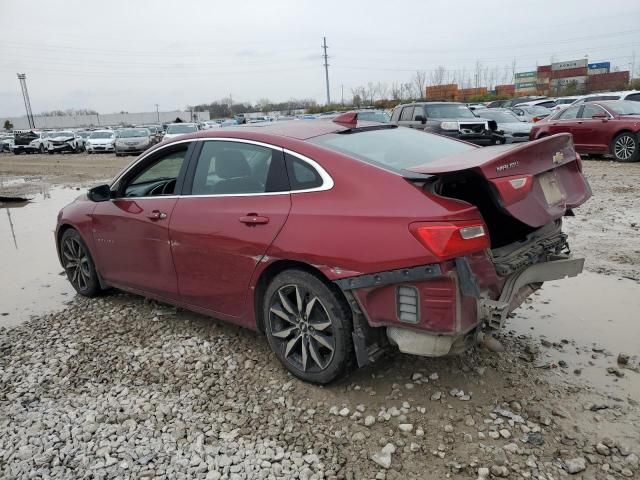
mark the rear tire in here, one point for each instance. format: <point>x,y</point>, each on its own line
<point>308,326</point>
<point>624,147</point>
<point>78,264</point>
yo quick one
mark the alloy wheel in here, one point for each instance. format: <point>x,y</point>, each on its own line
<point>301,326</point>
<point>76,263</point>
<point>624,147</point>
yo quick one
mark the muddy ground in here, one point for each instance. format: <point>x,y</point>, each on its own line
<point>119,387</point>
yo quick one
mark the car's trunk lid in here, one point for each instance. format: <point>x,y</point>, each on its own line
<point>535,182</point>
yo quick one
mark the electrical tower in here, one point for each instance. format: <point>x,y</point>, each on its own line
<point>326,67</point>
<point>25,95</point>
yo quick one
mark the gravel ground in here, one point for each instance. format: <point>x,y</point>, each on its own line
<point>121,387</point>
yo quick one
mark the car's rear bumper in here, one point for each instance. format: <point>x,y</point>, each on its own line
<point>441,309</point>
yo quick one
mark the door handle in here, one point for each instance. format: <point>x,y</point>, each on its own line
<point>253,219</point>
<point>157,215</point>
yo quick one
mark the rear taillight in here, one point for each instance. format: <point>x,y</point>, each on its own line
<point>536,119</point>
<point>513,189</point>
<point>451,239</point>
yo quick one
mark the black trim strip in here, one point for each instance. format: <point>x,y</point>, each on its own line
<point>423,272</point>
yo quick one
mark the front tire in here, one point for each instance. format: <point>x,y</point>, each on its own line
<point>308,326</point>
<point>625,147</point>
<point>78,264</point>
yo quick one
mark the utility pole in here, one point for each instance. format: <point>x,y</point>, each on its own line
<point>326,67</point>
<point>25,95</point>
<point>157,113</point>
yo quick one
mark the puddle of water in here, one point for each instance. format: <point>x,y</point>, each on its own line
<point>598,316</point>
<point>31,283</point>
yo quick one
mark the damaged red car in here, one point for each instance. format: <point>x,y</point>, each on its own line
<point>337,239</point>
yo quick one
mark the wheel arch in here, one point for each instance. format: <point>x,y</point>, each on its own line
<point>620,132</point>
<point>270,272</point>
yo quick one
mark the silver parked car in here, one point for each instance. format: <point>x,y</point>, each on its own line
<point>531,113</point>
<point>514,129</point>
<point>132,140</point>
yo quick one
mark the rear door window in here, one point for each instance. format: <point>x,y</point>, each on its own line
<point>634,97</point>
<point>569,113</point>
<point>590,110</point>
<point>407,114</point>
<point>237,168</point>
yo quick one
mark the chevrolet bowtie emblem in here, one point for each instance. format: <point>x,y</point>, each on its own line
<point>558,157</point>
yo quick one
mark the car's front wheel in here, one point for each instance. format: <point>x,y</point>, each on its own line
<point>308,326</point>
<point>625,147</point>
<point>78,264</point>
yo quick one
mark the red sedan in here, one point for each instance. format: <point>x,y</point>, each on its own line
<point>607,127</point>
<point>335,238</point>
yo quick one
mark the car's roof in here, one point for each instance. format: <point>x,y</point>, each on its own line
<point>289,128</point>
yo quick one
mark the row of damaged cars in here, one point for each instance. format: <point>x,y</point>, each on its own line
<point>120,141</point>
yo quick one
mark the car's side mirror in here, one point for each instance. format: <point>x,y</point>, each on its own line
<point>421,119</point>
<point>101,193</point>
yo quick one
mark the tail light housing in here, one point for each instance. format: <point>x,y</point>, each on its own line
<point>452,239</point>
<point>513,189</point>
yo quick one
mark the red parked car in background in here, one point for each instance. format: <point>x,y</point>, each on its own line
<point>334,238</point>
<point>598,128</point>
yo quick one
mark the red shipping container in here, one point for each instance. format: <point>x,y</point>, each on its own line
<point>505,89</point>
<point>544,69</point>
<point>608,81</point>
<point>570,72</point>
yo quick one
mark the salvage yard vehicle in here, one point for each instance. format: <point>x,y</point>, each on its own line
<point>337,239</point>
<point>447,118</point>
<point>598,128</point>
<point>531,113</point>
<point>177,129</point>
<point>132,140</point>
<point>28,141</point>
<point>101,141</point>
<point>513,129</point>
<point>64,141</point>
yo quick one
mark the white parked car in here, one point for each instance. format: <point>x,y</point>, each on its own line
<point>64,141</point>
<point>101,141</point>
<point>541,102</point>
<point>564,102</point>
<point>633,95</point>
<point>177,129</point>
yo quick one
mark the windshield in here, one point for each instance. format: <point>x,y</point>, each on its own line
<point>181,128</point>
<point>61,134</point>
<point>101,135</point>
<point>624,107</point>
<point>449,111</point>
<point>84,134</point>
<point>137,132</point>
<point>381,117</point>
<point>393,148</point>
<point>500,117</point>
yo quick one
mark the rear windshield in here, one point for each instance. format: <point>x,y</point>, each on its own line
<point>452,110</point>
<point>395,148</point>
<point>181,129</point>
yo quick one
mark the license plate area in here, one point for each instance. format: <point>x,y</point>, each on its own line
<point>551,188</point>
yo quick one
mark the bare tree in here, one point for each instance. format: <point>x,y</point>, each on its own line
<point>396,91</point>
<point>420,80</point>
<point>438,75</point>
<point>383,90</point>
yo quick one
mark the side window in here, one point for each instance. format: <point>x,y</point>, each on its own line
<point>549,104</point>
<point>157,178</point>
<point>418,111</point>
<point>634,97</point>
<point>225,168</point>
<point>407,114</point>
<point>590,110</point>
<point>302,176</point>
<point>569,113</point>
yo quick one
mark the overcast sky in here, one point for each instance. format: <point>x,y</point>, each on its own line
<point>128,55</point>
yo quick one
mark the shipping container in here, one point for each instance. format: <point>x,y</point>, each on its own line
<point>505,89</point>
<point>569,64</point>
<point>580,80</point>
<point>598,71</point>
<point>608,81</point>
<point>570,72</point>
<point>600,66</point>
<point>523,75</point>
<point>544,69</point>
<point>522,85</point>
<point>442,92</point>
